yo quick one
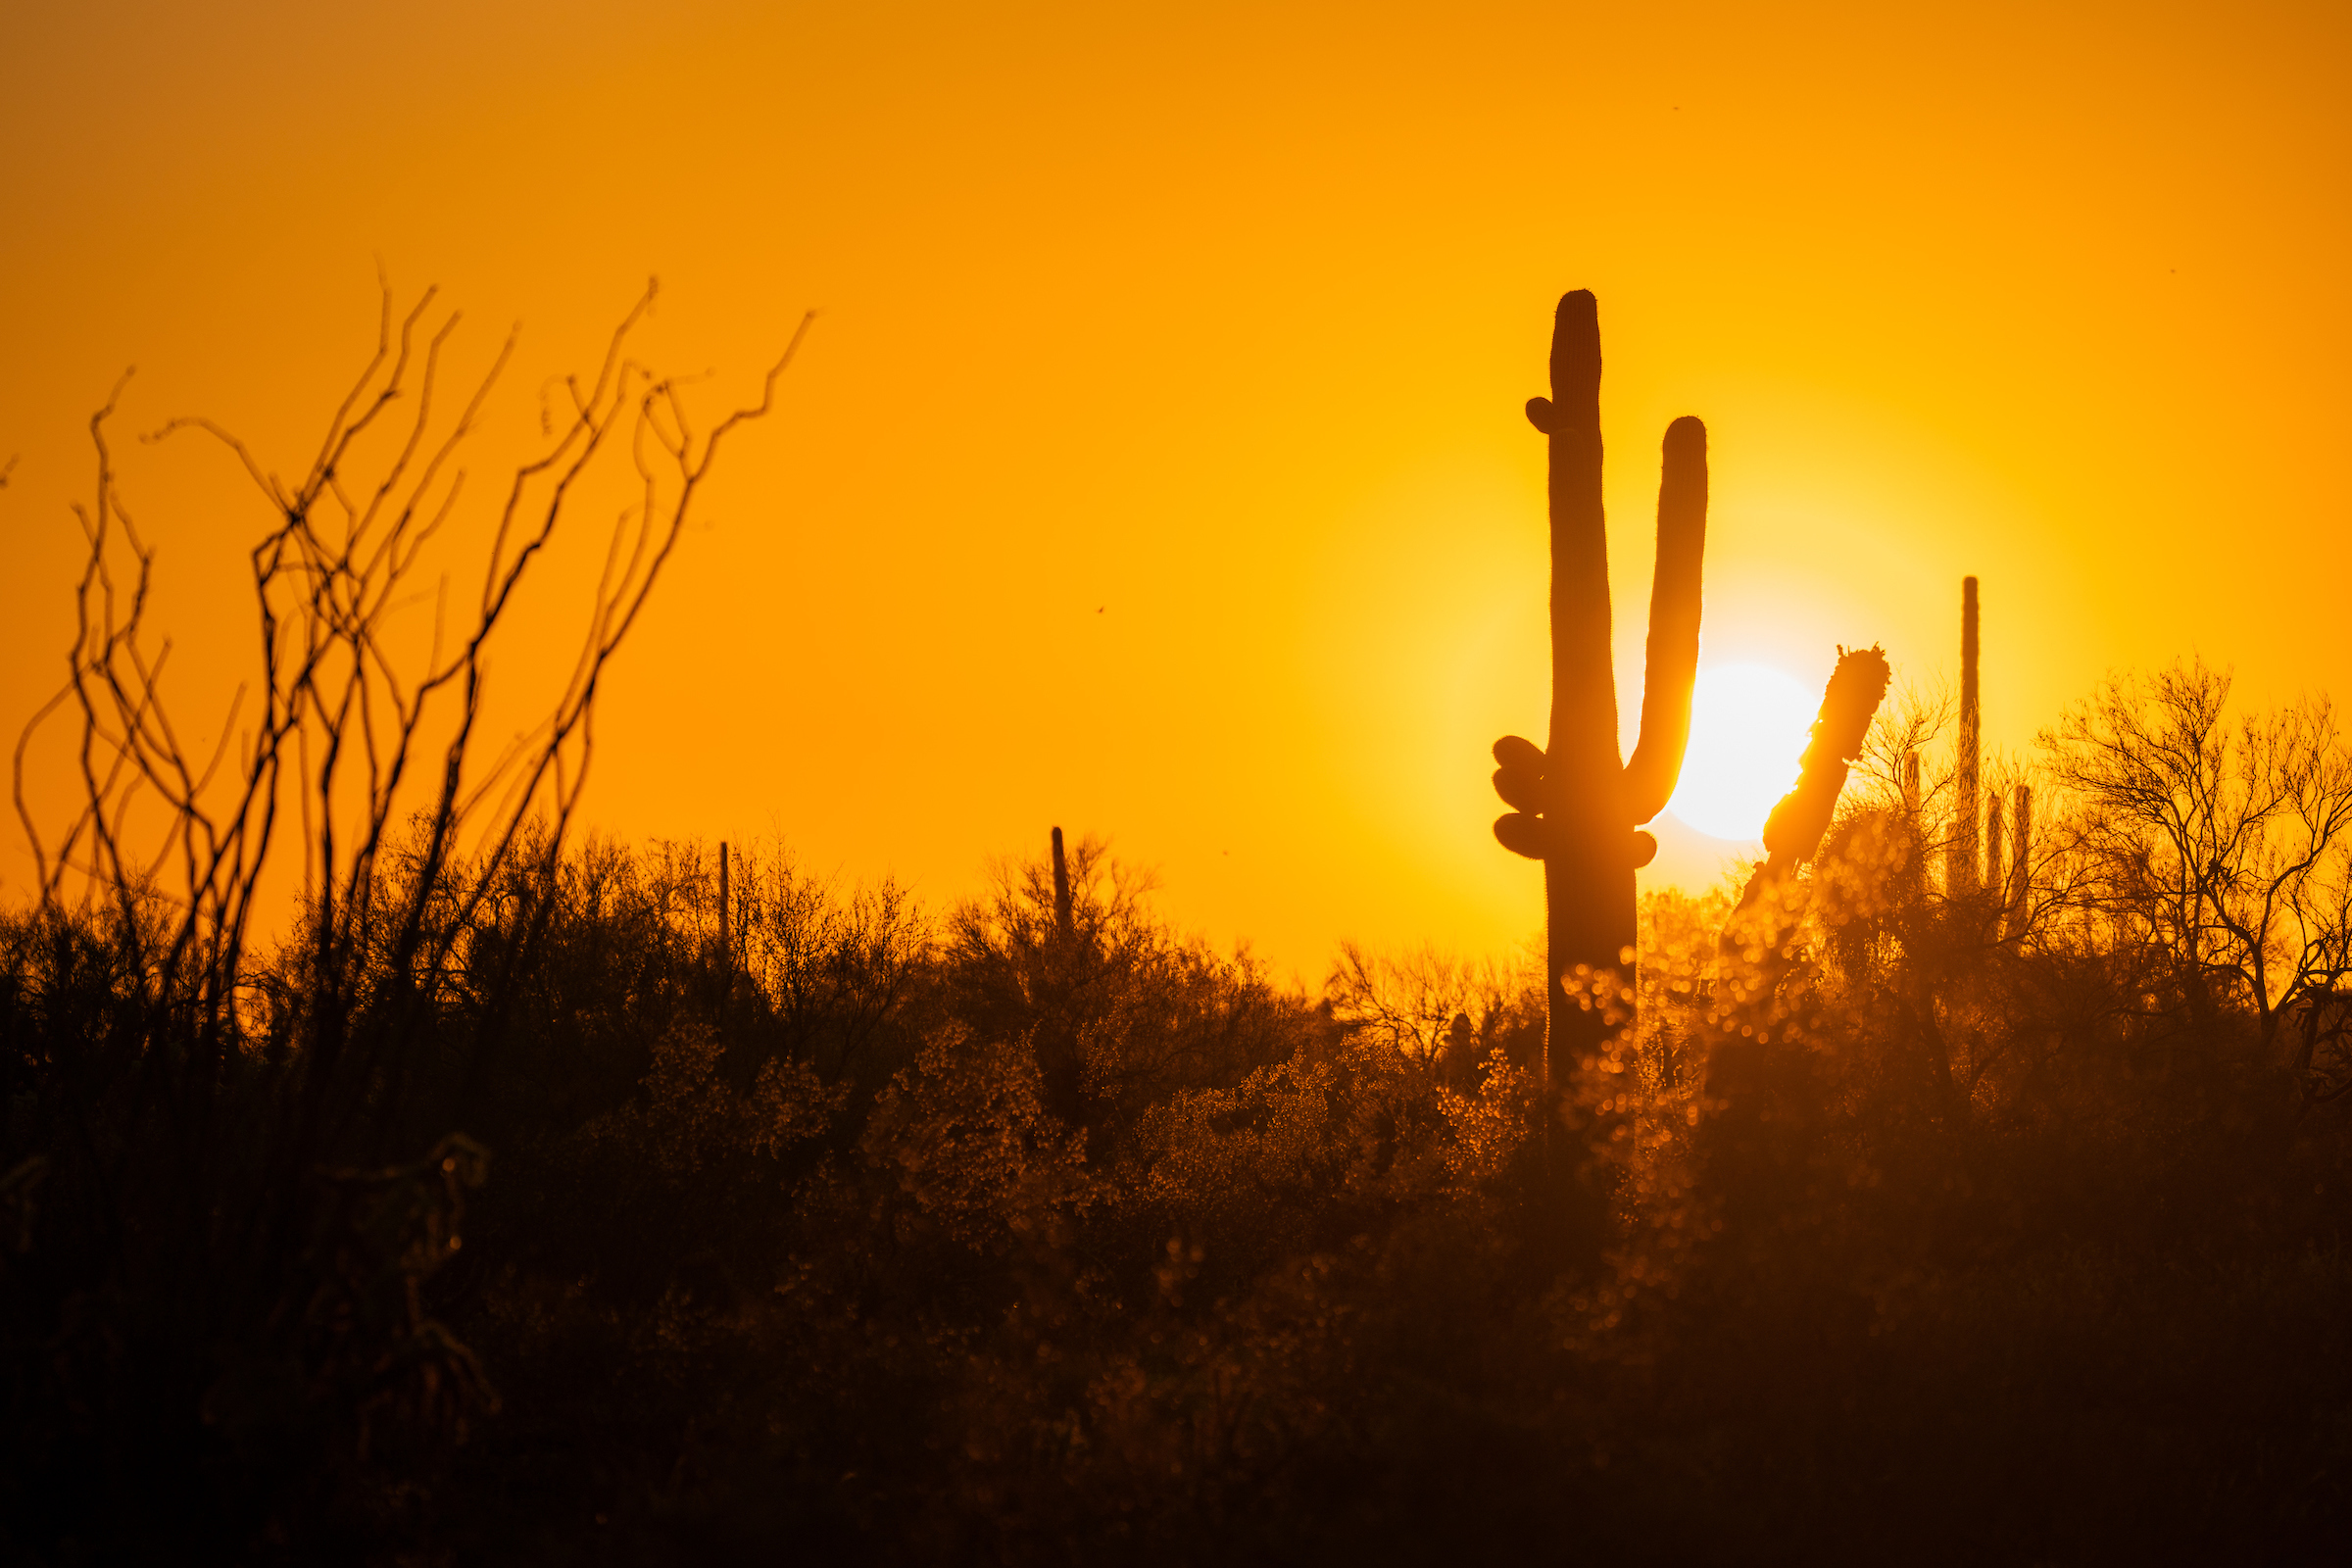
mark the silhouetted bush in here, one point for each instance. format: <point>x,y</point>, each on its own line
<point>779,1241</point>
<point>525,1202</point>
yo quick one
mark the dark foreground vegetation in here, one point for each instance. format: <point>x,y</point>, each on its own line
<point>855,1234</point>
<point>514,1200</point>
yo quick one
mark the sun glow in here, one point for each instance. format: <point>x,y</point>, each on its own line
<point>1748,725</point>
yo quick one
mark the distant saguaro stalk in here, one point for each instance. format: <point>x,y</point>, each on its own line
<point>1065,925</point>
<point>1995,872</point>
<point>1576,807</point>
<point>2020,874</point>
<point>1960,875</point>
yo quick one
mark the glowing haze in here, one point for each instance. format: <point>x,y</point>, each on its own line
<point>1157,467</point>
<point>1748,728</point>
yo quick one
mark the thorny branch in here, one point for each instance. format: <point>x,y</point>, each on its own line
<point>338,726</point>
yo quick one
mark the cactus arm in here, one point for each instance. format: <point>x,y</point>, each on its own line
<point>1856,687</point>
<point>1520,782</point>
<point>1672,667</point>
<point>1762,918</point>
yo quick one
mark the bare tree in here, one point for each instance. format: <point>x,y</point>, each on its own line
<point>223,1153</point>
<point>2226,847</point>
<point>1425,1003</point>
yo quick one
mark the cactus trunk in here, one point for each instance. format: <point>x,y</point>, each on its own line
<point>1794,831</point>
<point>1961,876</point>
<point>2020,874</point>
<point>1578,804</point>
<point>1995,872</point>
<point>1063,927</point>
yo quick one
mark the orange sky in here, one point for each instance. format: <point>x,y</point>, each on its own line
<point>1219,318</point>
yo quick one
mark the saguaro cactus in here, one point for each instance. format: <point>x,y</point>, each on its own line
<point>1996,873</point>
<point>1794,831</point>
<point>1063,927</point>
<point>2021,873</point>
<point>1960,872</point>
<point>1577,808</point>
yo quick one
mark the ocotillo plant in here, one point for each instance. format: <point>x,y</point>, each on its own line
<point>1960,872</point>
<point>1577,806</point>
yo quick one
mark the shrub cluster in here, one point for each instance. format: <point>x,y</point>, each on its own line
<point>840,1229</point>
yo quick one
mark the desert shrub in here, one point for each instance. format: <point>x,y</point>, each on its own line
<point>806,1253</point>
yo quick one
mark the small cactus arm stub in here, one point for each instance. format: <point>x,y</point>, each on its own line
<point>1576,808</point>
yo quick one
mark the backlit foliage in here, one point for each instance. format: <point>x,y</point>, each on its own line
<point>851,1228</point>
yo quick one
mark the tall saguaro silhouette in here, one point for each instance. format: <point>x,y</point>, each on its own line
<point>1960,876</point>
<point>2020,874</point>
<point>1063,927</point>
<point>1577,808</point>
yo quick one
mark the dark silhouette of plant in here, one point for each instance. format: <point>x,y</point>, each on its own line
<point>2224,850</point>
<point>1760,922</point>
<point>790,1217</point>
<point>1576,807</point>
<point>234,1228</point>
<point>1121,1013</point>
<point>1064,923</point>
<point>1961,874</point>
<point>1438,1010</point>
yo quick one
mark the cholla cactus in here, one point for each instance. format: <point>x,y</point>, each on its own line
<point>1577,808</point>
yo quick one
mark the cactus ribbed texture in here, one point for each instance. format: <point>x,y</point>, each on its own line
<point>1576,805</point>
<point>1960,876</point>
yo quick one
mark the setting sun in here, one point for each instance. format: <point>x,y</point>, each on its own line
<point>1048,782</point>
<point>1748,730</point>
